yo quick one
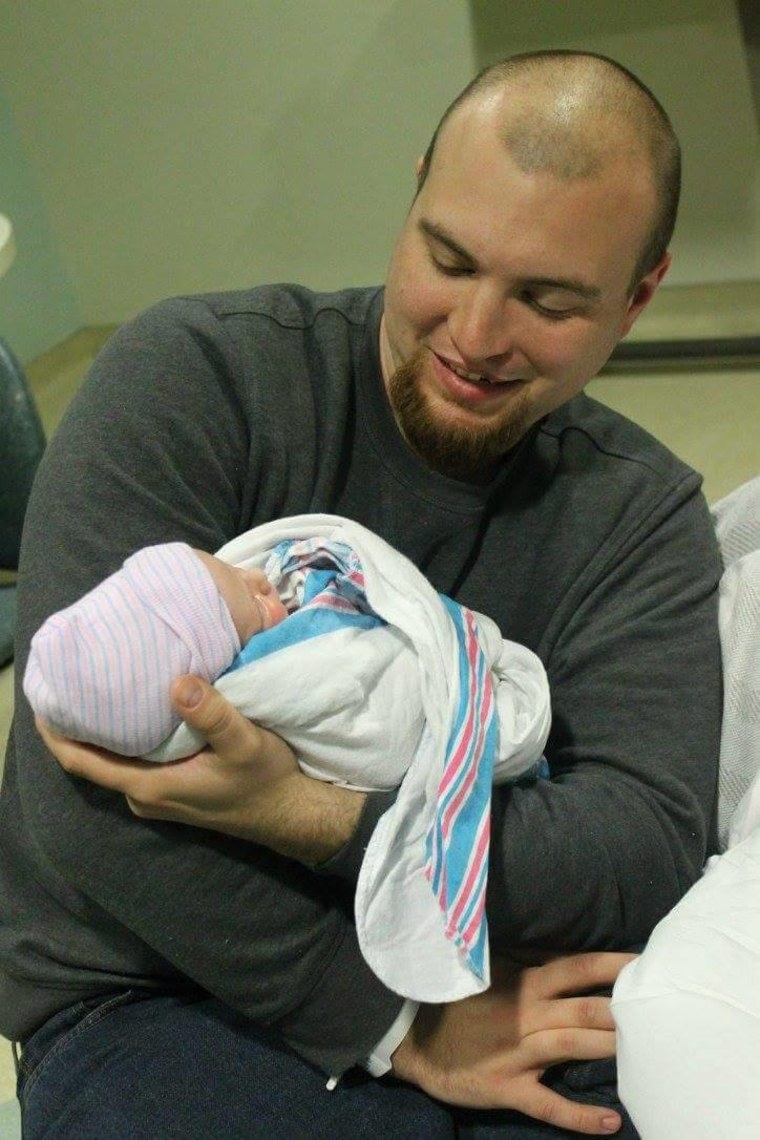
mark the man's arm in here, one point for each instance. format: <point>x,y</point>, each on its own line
<point>489,1051</point>
<point>597,855</point>
<point>158,447</point>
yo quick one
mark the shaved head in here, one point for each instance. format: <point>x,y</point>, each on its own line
<point>571,114</point>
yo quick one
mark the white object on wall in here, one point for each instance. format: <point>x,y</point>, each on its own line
<point>7,245</point>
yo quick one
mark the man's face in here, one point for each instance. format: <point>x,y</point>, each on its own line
<point>506,293</point>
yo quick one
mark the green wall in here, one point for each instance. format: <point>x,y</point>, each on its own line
<point>183,146</point>
<point>186,146</point>
<point>37,302</point>
<point>691,53</point>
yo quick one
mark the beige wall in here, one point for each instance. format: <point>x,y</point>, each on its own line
<point>707,417</point>
<point>181,145</point>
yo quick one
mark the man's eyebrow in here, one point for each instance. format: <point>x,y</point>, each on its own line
<point>438,233</point>
<point>566,284</point>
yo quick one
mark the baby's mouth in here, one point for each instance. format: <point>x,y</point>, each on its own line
<point>263,612</point>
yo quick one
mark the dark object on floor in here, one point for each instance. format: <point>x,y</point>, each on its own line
<point>22,442</point>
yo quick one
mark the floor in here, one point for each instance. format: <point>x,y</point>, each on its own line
<point>709,417</point>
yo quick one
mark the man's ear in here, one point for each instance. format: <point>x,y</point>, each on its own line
<point>643,294</point>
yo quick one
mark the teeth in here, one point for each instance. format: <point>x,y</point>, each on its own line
<point>468,375</point>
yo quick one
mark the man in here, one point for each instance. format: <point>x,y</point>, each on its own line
<point>446,414</point>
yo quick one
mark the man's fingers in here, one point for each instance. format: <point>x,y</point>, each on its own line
<point>577,973</point>
<point>544,1104</point>
<point>91,763</point>
<point>246,783</point>
<point>146,786</point>
<point>587,1012</point>
<point>207,711</point>
<point>252,757</point>
<point>555,1046</point>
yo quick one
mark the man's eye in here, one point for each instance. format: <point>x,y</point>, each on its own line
<point>452,270</point>
<point>546,310</point>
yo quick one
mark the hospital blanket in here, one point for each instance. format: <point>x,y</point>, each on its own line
<point>377,681</point>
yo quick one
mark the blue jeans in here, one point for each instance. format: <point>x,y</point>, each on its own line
<point>136,1066</point>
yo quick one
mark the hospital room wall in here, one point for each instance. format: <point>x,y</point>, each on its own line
<point>180,146</point>
<point>38,306</point>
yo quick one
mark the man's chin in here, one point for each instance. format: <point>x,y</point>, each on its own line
<point>451,439</point>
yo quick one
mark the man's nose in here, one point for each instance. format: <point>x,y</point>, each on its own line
<point>479,327</point>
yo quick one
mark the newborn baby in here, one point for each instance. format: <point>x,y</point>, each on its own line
<point>376,681</point>
<point>101,669</point>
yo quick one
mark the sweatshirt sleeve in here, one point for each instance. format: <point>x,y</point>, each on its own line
<point>597,855</point>
<point>161,445</point>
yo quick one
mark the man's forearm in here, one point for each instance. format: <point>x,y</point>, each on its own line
<point>309,821</point>
<point>264,797</point>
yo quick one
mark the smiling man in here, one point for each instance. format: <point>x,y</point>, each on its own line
<point>200,980</point>
<point>490,323</point>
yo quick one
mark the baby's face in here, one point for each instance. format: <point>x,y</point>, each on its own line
<point>252,600</point>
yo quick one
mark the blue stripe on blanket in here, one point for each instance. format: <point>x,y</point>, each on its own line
<point>332,597</point>
<point>310,621</point>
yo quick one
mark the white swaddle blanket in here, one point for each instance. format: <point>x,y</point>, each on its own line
<point>737,525</point>
<point>433,700</point>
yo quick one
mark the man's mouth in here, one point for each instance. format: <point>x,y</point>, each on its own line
<point>471,377</point>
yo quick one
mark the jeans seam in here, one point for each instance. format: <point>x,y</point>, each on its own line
<point>30,1076</point>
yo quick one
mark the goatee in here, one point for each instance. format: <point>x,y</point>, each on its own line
<point>471,452</point>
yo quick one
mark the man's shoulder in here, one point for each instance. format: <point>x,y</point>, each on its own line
<point>286,305</point>
<point>587,423</point>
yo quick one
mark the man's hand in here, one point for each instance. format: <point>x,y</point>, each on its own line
<point>491,1050</point>
<point>246,783</point>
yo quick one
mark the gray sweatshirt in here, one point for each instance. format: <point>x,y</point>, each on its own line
<point>592,546</point>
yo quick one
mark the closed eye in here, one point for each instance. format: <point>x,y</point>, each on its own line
<point>546,310</point>
<point>450,269</point>
<point>446,255</point>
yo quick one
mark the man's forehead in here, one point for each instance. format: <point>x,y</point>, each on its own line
<point>555,130</point>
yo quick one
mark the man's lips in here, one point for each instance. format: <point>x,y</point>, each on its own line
<point>472,387</point>
<point>464,374</point>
